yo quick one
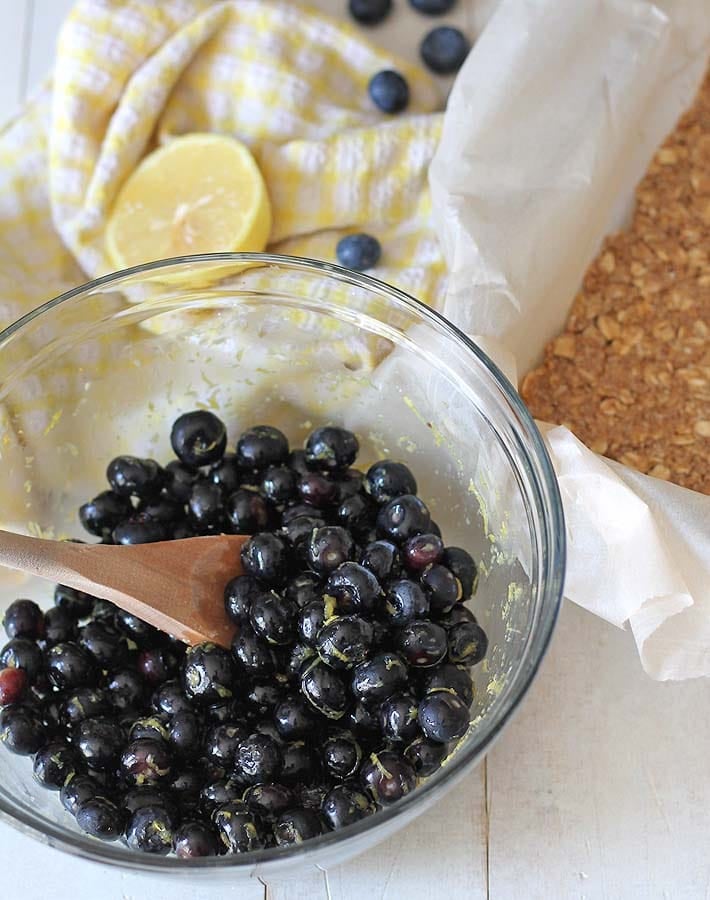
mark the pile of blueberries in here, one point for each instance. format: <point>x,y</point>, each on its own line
<point>443,50</point>
<point>347,680</point>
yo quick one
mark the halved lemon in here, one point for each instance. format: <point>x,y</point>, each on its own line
<point>201,193</point>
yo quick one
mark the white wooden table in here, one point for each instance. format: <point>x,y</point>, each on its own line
<point>600,787</point>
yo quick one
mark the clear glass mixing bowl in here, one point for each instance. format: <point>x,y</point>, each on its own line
<point>105,368</point>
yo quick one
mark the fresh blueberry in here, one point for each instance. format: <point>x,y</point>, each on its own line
<point>102,514</point>
<point>403,518</point>
<point>461,563</point>
<point>262,446</point>
<point>198,438</point>
<point>23,618</point>
<point>208,673</point>
<point>296,826</point>
<point>378,678</point>
<point>405,601</point>
<point>131,476</point>
<point>389,91</point>
<point>433,7</point>
<point>248,512</point>
<point>443,717</point>
<point>425,756</point>
<point>468,643</point>
<point>54,763</point>
<point>363,251</point>
<point>422,643</point>
<point>139,529</point>
<point>100,818</point>
<point>23,653</point>
<point>264,556</point>
<point>324,690</point>
<point>385,480</point>
<point>150,830</point>
<point>369,12</point>
<point>344,805</point>
<point>444,49</point>
<point>387,777</point>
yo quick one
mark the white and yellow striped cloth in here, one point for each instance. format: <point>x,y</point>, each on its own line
<point>288,81</point>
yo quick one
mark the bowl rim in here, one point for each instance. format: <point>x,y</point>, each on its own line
<point>552,576</point>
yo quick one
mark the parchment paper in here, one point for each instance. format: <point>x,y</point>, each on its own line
<point>550,124</point>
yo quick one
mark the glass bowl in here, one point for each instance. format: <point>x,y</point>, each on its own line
<point>105,368</point>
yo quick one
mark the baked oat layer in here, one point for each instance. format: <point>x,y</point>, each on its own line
<point>630,373</point>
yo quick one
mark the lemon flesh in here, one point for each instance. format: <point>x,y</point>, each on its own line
<point>201,193</point>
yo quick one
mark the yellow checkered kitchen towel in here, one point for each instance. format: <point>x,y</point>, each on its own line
<point>131,74</point>
<point>288,81</point>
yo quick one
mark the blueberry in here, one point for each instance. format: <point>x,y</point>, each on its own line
<point>237,829</point>
<point>301,764</point>
<point>386,480</point>
<point>433,7</point>
<point>310,621</point>
<point>344,805</point>
<point>403,518</point>
<point>59,626</point>
<point>252,654</point>
<point>316,490</point>
<point>329,547</point>
<point>194,840</point>
<point>75,603</point>
<point>69,665</point>
<point>293,718</point>
<point>150,830</point>
<point>146,762</point>
<point>154,728</point>
<point>179,480</point>
<point>54,763</point>
<point>139,529</point>
<point>23,618</point>
<point>458,613</point>
<point>125,690</point>
<point>157,664</point>
<point>468,643</point>
<point>449,677</point>
<point>425,756</point>
<point>258,758</point>
<point>344,642</point>
<point>100,741</point>
<point>444,49</point>
<point>22,730</point>
<point>265,557</point>
<point>198,438</point>
<point>422,643</point>
<point>273,618</point>
<point>298,532</point>
<point>349,483</point>
<point>362,251</point>
<point>238,595</point>
<point>387,777</point>
<point>405,601</point>
<point>106,645</point>
<point>398,718</point>
<point>77,789</point>
<point>205,506</point>
<point>324,690</point>
<point>296,826</point>
<point>140,632</point>
<point>263,695</point>
<point>421,551</point>
<point>354,588</point>
<point>443,717</point>
<point>269,800</point>
<point>442,587</point>
<point>378,678</point>
<point>13,686</point>
<point>382,559</point>
<point>84,703</point>
<point>389,91</point>
<point>362,720</point>
<point>262,446</point>
<point>170,699</point>
<point>298,657</point>
<point>102,514</point>
<point>100,818</point>
<point>185,735</point>
<point>248,512</point>
<point>369,12</point>
<point>342,755</point>
<point>23,653</point>
<point>331,448</point>
<point>216,793</point>
<point>208,673</point>
<point>279,484</point>
<point>226,474</point>
<point>461,563</point>
<point>357,513</point>
<point>131,476</point>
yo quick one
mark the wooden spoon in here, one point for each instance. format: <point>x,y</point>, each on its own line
<point>178,586</point>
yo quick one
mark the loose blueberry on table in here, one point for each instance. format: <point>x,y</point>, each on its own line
<point>348,678</point>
